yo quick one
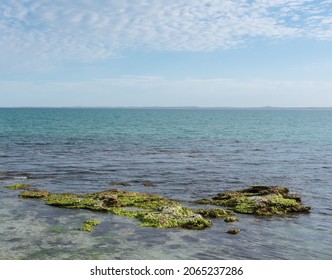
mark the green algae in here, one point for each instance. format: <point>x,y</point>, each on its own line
<point>38,194</point>
<point>150,209</point>
<point>172,217</point>
<point>231,219</point>
<point>214,213</point>
<point>63,200</point>
<point>18,186</point>
<point>153,210</point>
<point>259,200</point>
<point>89,225</point>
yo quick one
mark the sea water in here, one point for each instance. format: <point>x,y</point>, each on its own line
<point>188,154</point>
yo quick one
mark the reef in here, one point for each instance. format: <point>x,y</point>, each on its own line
<point>89,225</point>
<point>153,210</point>
<point>150,209</point>
<point>259,200</point>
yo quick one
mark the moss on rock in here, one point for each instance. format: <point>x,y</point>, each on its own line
<point>214,213</point>
<point>34,194</point>
<point>89,225</point>
<point>172,217</point>
<point>231,219</point>
<point>150,209</point>
<point>259,200</point>
<point>18,186</point>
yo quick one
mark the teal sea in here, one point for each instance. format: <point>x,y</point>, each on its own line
<point>189,154</point>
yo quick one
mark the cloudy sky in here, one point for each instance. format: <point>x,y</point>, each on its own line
<point>243,53</point>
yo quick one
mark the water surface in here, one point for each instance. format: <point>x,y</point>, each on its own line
<point>190,154</point>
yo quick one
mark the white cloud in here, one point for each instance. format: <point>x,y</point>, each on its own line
<point>96,30</point>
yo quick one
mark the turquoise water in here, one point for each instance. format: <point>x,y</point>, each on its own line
<point>190,154</point>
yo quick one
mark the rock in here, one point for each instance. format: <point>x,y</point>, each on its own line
<point>18,186</point>
<point>34,194</point>
<point>115,183</point>
<point>175,216</point>
<point>233,231</point>
<point>111,201</point>
<point>26,175</point>
<point>259,200</point>
<point>231,219</point>
<point>89,225</point>
<point>150,209</point>
<point>214,213</point>
<point>149,184</point>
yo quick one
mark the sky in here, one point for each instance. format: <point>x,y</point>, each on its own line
<point>207,53</point>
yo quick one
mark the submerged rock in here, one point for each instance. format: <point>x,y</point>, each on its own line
<point>231,219</point>
<point>115,183</point>
<point>233,231</point>
<point>89,225</point>
<point>174,216</point>
<point>149,184</point>
<point>156,211</point>
<point>259,200</point>
<point>214,213</point>
<point>18,186</point>
<point>34,194</point>
<point>150,209</point>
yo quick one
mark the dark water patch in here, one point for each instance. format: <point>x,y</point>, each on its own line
<point>190,239</point>
<point>234,181</point>
<point>174,246</point>
<point>15,240</point>
<point>253,163</point>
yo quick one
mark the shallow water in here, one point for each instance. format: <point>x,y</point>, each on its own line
<point>190,154</point>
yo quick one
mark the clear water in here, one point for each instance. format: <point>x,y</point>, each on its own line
<point>190,154</point>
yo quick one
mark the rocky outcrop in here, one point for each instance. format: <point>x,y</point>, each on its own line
<point>259,200</point>
<point>150,209</point>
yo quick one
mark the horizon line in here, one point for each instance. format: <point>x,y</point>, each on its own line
<point>166,107</point>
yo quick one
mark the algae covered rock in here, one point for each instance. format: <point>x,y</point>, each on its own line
<point>18,186</point>
<point>172,217</point>
<point>34,194</point>
<point>234,231</point>
<point>214,213</point>
<point>231,219</point>
<point>259,200</point>
<point>89,225</point>
<point>150,209</point>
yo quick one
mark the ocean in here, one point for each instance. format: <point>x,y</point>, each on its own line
<point>189,154</point>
